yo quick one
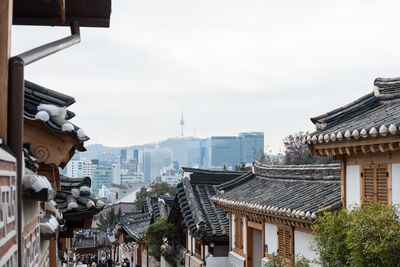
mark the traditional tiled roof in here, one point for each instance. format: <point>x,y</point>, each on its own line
<point>158,206</point>
<point>35,186</point>
<point>50,106</point>
<point>135,224</point>
<point>74,199</point>
<point>299,191</point>
<point>375,114</point>
<point>192,200</point>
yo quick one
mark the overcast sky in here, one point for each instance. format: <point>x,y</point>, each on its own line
<point>234,66</point>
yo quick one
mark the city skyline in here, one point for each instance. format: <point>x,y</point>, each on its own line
<point>232,65</point>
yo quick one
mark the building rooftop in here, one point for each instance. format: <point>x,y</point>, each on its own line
<point>49,106</point>
<point>375,114</point>
<point>135,224</point>
<point>193,201</point>
<point>301,191</point>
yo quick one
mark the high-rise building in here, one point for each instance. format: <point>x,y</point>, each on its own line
<point>123,155</point>
<point>252,146</point>
<point>136,155</point>
<point>80,168</point>
<point>170,175</point>
<point>154,160</point>
<point>116,173</point>
<point>101,176</point>
<point>205,157</point>
<point>225,150</point>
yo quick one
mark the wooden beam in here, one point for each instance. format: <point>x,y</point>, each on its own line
<point>333,151</point>
<point>359,142</point>
<point>347,150</point>
<point>355,149</point>
<point>391,146</point>
<point>6,9</point>
<point>373,148</point>
<point>341,150</point>
<point>364,149</point>
<point>383,147</point>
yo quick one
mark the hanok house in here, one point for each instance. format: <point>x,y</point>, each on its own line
<point>272,209</point>
<point>206,227</point>
<point>130,235</point>
<point>133,226</point>
<point>365,136</point>
<point>53,140</point>
<point>20,224</point>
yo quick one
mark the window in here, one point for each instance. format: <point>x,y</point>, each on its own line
<point>375,183</point>
<point>239,232</point>
<point>285,241</point>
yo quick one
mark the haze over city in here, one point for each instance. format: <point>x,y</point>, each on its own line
<point>231,65</point>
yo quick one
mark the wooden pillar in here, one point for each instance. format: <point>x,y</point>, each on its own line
<point>53,253</point>
<point>6,7</point>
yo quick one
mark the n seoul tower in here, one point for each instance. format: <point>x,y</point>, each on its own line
<point>182,122</point>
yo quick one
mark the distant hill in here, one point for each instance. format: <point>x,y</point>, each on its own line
<point>96,151</point>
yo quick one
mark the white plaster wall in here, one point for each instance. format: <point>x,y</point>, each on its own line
<point>244,235</point>
<point>189,241</point>
<point>271,237</point>
<point>233,231</point>
<point>353,196</point>
<point>396,183</point>
<point>235,260</point>
<point>302,245</point>
<point>216,261</point>
<point>257,248</point>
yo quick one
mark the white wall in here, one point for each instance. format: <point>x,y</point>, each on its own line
<point>271,237</point>
<point>257,248</point>
<point>235,260</point>
<point>352,185</point>
<point>302,242</point>
<point>233,231</point>
<point>396,183</point>
<point>216,261</point>
<point>189,242</point>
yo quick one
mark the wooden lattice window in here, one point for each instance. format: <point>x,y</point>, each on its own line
<point>239,232</point>
<point>285,241</point>
<point>375,180</point>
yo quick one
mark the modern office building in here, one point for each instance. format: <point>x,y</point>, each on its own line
<point>101,176</point>
<point>225,151</point>
<point>154,160</point>
<point>171,175</point>
<point>205,158</point>
<point>123,155</point>
<point>80,168</point>
<point>252,146</point>
<point>116,173</point>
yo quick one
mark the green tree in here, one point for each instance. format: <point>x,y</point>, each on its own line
<point>278,260</point>
<point>141,197</point>
<point>156,234</point>
<point>156,189</point>
<point>366,235</point>
<point>109,220</point>
<point>242,167</point>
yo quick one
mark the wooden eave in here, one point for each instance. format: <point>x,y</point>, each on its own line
<point>352,147</point>
<point>89,13</point>
<point>261,217</point>
<point>47,146</point>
